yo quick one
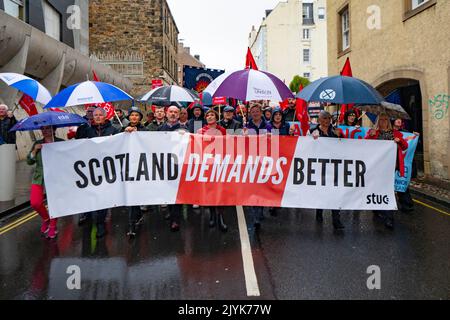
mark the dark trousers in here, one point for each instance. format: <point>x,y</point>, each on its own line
<point>335,213</point>
<point>405,201</point>
<point>175,213</point>
<point>134,214</point>
<point>100,216</point>
<point>256,214</point>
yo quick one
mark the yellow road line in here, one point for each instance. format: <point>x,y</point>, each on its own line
<point>431,207</point>
<point>18,220</point>
<point>18,224</point>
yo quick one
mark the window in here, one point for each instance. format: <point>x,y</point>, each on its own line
<point>14,8</point>
<point>307,75</point>
<point>52,19</point>
<point>414,7</point>
<point>345,29</point>
<point>308,14</point>
<point>306,34</point>
<point>417,3</point>
<point>306,56</point>
<point>321,13</point>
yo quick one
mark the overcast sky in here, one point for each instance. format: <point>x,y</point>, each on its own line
<point>218,30</point>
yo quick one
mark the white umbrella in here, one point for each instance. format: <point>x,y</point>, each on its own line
<point>28,86</point>
<point>169,94</point>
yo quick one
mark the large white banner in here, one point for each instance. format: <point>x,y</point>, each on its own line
<point>145,168</point>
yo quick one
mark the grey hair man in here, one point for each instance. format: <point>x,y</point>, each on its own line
<point>7,121</point>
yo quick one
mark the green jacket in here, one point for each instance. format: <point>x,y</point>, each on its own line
<point>153,126</point>
<point>38,176</point>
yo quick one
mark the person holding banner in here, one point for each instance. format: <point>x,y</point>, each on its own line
<point>197,120</point>
<point>405,200</point>
<point>256,126</point>
<point>48,226</point>
<point>135,217</point>
<point>82,129</point>
<point>257,122</point>
<point>268,113</point>
<point>119,122</point>
<point>212,128</point>
<point>150,118</point>
<point>184,122</point>
<point>159,120</point>
<point>278,123</point>
<point>383,131</point>
<point>228,122</point>
<point>325,129</point>
<point>290,112</point>
<point>173,124</point>
<point>101,127</point>
<point>351,119</point>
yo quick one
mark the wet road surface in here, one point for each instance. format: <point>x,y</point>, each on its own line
<point>294,257</point>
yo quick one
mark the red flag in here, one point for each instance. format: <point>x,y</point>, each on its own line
<point>301,110</point>
<point>284,104</point>
<point>346,71</point>
<point>94,76</point>
<point>27,103</point>
<point>56,109</point>
<point>250,61</point>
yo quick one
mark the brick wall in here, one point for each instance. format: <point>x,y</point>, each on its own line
<point>118,26</point>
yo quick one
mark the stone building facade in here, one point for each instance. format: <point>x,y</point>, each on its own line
<point>186,59</point>
<point>401,46</point>
<point>48,41</point>
<point>143,29</point>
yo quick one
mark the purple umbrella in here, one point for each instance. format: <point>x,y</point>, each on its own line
<point>249,85</point>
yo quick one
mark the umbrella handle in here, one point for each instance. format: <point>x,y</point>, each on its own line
<point>115,113</point>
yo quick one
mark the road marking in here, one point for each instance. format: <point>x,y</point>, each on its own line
<point>18,220</point>
<point>13,226</point>
<point>431,207</point>
<point>251,282</point>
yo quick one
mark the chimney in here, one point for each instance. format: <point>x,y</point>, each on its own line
<point>188,50</point>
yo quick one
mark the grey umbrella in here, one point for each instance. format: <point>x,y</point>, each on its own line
<point>391,109</point>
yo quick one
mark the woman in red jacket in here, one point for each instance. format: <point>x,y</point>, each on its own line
<point>383,131</point>
<point>213,129</point>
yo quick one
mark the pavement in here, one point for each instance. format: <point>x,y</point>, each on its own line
<point>24,174</point>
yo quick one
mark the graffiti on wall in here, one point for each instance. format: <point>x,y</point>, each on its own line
<point>439,106</point>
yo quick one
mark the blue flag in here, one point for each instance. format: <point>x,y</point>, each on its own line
<point>199,78</point>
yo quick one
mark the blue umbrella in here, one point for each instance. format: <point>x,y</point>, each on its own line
<point>207,99</point>
<point>341,90</point>
<point>51,118</point>
<point>27,85</point>
<point>88,92</point>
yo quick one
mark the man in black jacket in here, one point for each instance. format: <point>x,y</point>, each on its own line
<point>135,217</point>
<point>197,120</point>
<point>289,114</point>
<point>173,124</point>
<point>101,127</point>
<point>228,122</point>
<point>7,121</point>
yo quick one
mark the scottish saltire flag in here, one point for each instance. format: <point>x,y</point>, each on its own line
<point>199,78</point>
